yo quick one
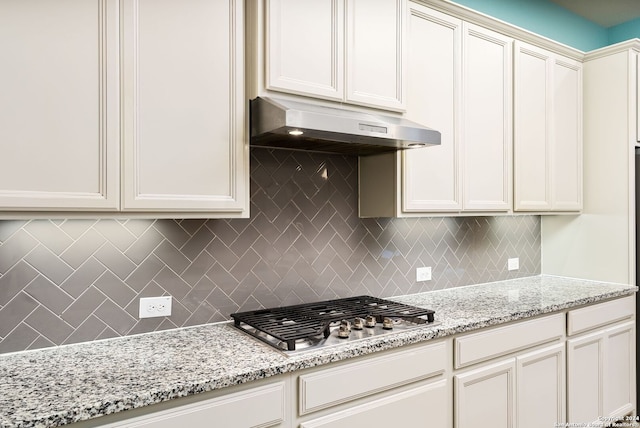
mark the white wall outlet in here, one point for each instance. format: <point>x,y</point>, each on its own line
<point>513,264</point>
<point>423,274</point>
<point>155,307</point>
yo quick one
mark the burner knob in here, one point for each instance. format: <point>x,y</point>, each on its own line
<point>358,323</point>
<point>387,323</point>
<point>343,331</point>
<point>370,321</point>
<point>346,324</point>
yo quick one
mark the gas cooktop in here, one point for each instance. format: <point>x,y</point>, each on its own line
<point>311,326</point>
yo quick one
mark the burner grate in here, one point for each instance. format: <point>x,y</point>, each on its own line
<point>291,323</point>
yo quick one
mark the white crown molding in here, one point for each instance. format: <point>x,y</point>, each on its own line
<point>503,27</point>
<point>633,44</point>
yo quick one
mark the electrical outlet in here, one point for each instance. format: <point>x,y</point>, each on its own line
<point>423,274</point>
<point>513,264</point>
<point>155,307</point>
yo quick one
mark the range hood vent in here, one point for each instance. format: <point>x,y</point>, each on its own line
<point>294,125</point>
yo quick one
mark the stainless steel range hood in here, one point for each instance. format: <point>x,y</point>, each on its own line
<point>295,125</point>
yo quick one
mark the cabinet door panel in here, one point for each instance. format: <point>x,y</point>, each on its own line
<point>485,397</point>
<point>306,47</point>
<point>585,378</point>
<point>486,119</point>
<point>59,129</point>
<point>620,370</point>
<point>184,130</point>
<point>541,387</point>
<point>375,53</point>
<point>532,115</point>
<point>430,176</point>
<point>567,136</point>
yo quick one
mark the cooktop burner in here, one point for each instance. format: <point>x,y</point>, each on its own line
<point>314,325</point>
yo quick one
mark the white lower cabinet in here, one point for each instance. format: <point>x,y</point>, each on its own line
<point>524,391</point>
<point>521,380</point>
<point>485,397</point>
<point>540,393</point>
<point>601,374</point>
<point>406,388</point>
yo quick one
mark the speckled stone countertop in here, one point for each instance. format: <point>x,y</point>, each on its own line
<point>58,386</point>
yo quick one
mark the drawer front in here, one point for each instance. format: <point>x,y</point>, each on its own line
<point>329,387</point>
<point>422,407</point>
<point>259,407</point>
<point>486,345</point>
<point>584,319</point>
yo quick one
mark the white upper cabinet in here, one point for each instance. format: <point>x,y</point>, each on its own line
<point>132,105</point>
<point>375,46</point>
<point>459,83</point>
<point>305,45</point>
<point>548,131</point>
<point>59,125</point>
<point>486,119</point>
<point>431,176</point>
<point>343,50</point>
<point>184,111</point>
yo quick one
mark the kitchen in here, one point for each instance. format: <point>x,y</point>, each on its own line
<point>303,241</point>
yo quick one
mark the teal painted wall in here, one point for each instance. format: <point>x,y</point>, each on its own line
<point>547,19</point>
<point>625,31</point>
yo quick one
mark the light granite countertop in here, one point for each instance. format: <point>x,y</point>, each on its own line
<point>58,386</point>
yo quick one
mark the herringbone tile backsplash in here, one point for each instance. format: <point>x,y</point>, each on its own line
<point>66,281</point>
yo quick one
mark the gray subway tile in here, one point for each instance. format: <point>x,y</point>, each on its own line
<point>115,317</point>
<point>49,234</point>
<point>83,248</point>
<point>89,330</point>
<point>144,273</point>
<point>14,312</point>
<point>82,308</point>
<point>48,264</point>
<point>114,288</point>
<point>19,339</point>
<point>15,248</point>
<point>83,277</point>
<point>9,227</point>
<point>147,242</point>
<point>172,257</point>
<point>49,325</point>
<point>49,294</point>
<point>15,280</point>
<point>114,260</point>
<point>116,233</point>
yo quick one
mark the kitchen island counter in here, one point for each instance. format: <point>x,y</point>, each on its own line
<point>57,386</point>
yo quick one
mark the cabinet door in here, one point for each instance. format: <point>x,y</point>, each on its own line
<point>485,397</point>
<point>486,100</point>
<point>540,377</point>
<point>430,179</point>
<point>305,47</point>
<point>620,370</point>
<point>375,45</point>
<point>185,140</point>
<point>585,356</point>
<point>532,130</point>
<point>59,117</point>
<point>423,407</point>
<point>566,165</point>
